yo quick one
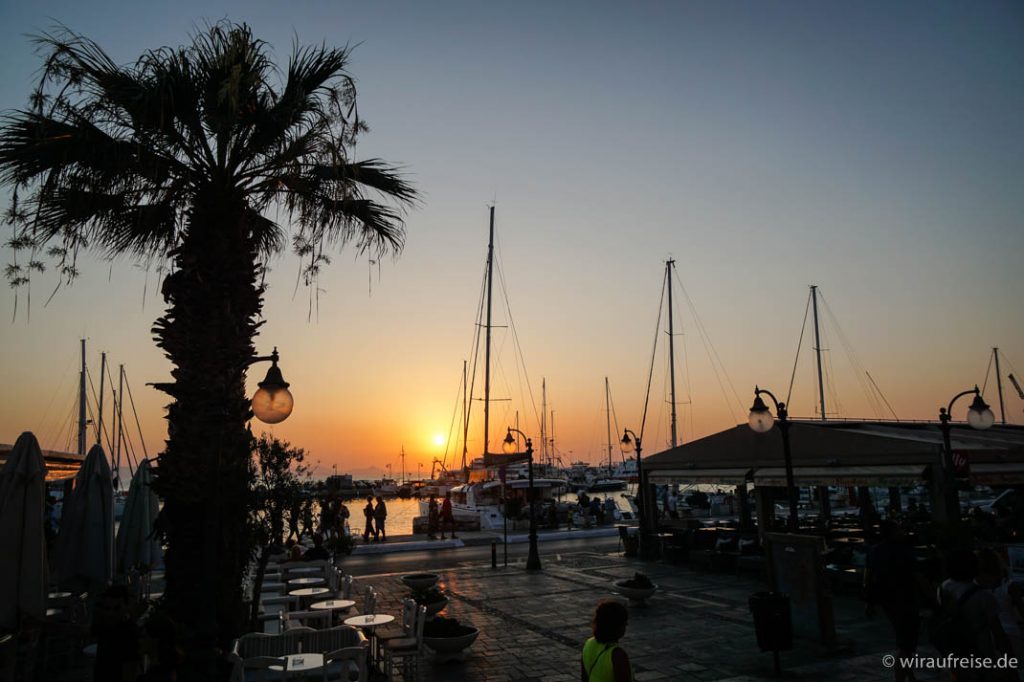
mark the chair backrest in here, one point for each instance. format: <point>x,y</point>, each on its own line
<point>421,620</point>
<point>409,612</point>
<point>294,638</point>
<point>259,644</point>
<point>260,667</point>
<point>288,569</point>
<point>338,637</point>
<point>314,619</point>
<point>354,655</point>
<point>333,578</point>
<point>286,602</point>
<point>346,586</point>
<point>370,600</point>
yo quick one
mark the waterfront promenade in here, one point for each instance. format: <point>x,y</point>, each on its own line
<point>697,627</point>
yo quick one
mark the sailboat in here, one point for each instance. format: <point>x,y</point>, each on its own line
<point>609,481</point>
<point>480,498</point>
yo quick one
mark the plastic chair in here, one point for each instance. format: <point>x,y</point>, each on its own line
<point>405,628</point>
<point>406,649</point>
<point>345,652</point>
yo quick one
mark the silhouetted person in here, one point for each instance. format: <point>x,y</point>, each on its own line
<point>447,515</point>
<point>980,613</point>
<point>317,551</point>
<point>603,660</point>
<point>890,583</point>
<point>994,577</point>
<point>433,518</point>
<point>295,511</point>
<point>380,515</point>
<point>368,520</point>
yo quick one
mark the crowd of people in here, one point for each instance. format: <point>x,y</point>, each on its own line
<point>975,611</point>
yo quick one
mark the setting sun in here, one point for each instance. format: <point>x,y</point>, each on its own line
<point>438,439</point>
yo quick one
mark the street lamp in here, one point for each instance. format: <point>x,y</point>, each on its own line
<point>980,417</point>
<point>273,402</point>
<point>508,446</point>
<point>644,498</point>
<point>761,421</point>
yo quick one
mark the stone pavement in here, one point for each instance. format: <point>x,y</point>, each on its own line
<point>697,627</point>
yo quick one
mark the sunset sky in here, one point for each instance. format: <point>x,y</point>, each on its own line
<point>873,149</point>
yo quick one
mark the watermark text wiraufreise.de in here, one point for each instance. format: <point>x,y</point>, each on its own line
<point>951,662</point>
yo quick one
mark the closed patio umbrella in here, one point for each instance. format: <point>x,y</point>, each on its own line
<point>23,569</point>
<point>136,544</point>
<point>85,545</point>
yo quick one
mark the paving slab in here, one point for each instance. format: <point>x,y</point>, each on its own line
<point>696,627</point>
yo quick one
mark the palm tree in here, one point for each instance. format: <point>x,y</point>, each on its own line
<point>181,156</point>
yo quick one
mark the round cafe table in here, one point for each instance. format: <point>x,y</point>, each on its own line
<point>332,605</point>
<point>306,581</point>
<point>370,622</point>
<point>306,593</point>
<point>301,663</point>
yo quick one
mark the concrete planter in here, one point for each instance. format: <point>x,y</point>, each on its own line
<point>436,607</point>
<point>634,594</point>
<point>417,582</point>
<point>451,648</point>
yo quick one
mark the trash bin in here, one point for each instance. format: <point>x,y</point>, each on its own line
<point>772,621</point>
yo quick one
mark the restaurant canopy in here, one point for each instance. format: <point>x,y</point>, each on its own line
<point>840,453</point>
<point>60,466</point>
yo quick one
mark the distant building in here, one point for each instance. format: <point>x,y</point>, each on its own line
<point>60,466</point>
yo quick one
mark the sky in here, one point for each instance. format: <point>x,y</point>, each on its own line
<point>873,149</point>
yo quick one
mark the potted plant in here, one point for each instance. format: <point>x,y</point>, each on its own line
<point>448,638</point>
<point>638,588</point>
<point>434,599</point>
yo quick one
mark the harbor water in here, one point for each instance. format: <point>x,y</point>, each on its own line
<point>401,511</point>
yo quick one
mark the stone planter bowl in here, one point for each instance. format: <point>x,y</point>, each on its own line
<point>417,582</point>
<point>635,594</point>
<point>436,608</point>
<point>451,648</point>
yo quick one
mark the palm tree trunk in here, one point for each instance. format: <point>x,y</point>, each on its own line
<point>214,301</point>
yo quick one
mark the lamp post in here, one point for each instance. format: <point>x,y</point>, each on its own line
<point>272,402</point>
<point>508,446</point>
<point>980,417</point>
<point>644,498</point>
<point>761,421</point>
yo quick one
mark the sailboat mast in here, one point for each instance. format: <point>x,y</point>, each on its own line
<point>671,348</point>
<point>487,353</point>
<point>465,421</point>
<point>608,411</point>
<point>82,422</point>
<point>999,384</point>
<point>403,464</point>
<point>120,426</point>
<point>103,383</point>
<point>817,350</point>
<point>543,420</point>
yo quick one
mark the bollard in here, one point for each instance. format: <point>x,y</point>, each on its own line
<point>494,553</point>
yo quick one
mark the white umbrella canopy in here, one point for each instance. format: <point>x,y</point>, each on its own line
<point>85,545</point>
<point>23,568</point>
<point>136,544</point>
